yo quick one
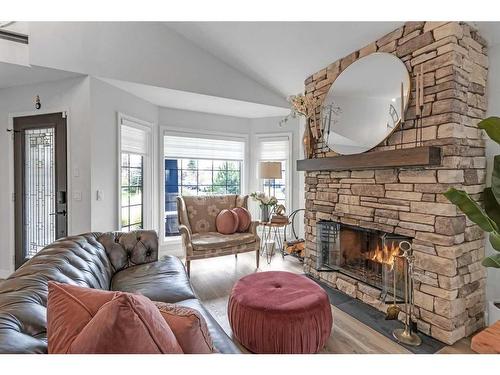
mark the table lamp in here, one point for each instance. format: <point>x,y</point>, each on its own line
<point>270,170</point>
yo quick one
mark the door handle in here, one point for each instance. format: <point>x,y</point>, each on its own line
<point>63,212</point>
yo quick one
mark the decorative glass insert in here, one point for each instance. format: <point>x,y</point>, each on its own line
<point>132,188</point>
<point>39,189</point>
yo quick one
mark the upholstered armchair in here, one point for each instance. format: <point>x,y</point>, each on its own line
<point>200,238</point>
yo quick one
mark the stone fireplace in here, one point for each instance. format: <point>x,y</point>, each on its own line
<point>369,256</point>
<point>407,202</point>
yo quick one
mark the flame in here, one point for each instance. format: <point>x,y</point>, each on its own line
<point>386,255</point>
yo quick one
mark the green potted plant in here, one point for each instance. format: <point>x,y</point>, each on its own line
<point>488,218</point>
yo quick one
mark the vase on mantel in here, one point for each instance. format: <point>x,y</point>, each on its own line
<point>264,213</point>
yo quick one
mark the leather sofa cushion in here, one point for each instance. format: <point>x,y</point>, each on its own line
<point>163,281</point>
<point>126,249</point>
<point>220,339</point>
<point>214,240</point>
<point>78,260</point>
<point>188,326</point>
<point>88,321</point>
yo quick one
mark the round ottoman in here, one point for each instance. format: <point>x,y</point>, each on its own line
<point>280,312</point>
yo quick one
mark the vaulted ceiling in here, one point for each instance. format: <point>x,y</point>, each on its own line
<point>280,55</point>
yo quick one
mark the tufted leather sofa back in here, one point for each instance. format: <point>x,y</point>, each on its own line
<point>88,260</point>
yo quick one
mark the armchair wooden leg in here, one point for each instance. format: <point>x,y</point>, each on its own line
<point>236,255</point>
<point>257,257</point>
<point>188,267</point>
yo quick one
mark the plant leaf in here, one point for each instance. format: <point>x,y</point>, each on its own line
<point>495,178</point>
<point>469,207</point>
<point>492,127</point>
<point>492,261</point>
<point>495,240</point>
<point>491,207</point>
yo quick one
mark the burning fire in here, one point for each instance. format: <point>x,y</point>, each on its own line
<point>386,255</point>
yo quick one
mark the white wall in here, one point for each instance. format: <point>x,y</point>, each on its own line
<point>141,52</point>
<point>105,102</point>
<point>70,95</point>
<point>492,149</point>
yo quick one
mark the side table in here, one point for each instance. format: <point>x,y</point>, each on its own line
<point>271,237</point>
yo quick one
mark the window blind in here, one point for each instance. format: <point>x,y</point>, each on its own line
<point>274,148</point>
<point>134,140</point>
<point>177,147</point>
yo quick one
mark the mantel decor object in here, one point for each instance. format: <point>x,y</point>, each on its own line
<point>304,105</point>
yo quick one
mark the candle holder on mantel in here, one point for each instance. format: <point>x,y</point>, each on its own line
<point>406,335</point>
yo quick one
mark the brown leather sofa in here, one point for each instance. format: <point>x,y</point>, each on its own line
<point>112,261</point>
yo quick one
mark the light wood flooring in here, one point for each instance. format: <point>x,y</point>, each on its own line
<point>213,279</point>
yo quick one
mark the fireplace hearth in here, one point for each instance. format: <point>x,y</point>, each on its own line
<point>369,256</point>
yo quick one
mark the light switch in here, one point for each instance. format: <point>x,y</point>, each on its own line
<point>99,195</point>
<point>76,172</point>
<point>77,195</point>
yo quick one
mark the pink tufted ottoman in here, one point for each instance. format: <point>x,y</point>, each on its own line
<point>280,312</point>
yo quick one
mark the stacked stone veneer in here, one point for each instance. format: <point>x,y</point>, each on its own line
<point>450,287</point>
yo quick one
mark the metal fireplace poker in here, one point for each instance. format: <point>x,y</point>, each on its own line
<point>408,335</point>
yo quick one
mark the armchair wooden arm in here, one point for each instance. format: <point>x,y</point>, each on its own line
<point>186,239</point>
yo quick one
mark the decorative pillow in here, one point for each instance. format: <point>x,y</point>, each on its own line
<point>189,327</point>
<point>244,217</point>
<point>227,222</point>
<point>91,321</point>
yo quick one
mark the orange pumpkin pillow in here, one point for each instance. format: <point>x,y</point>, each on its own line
<point>189,327</point>
<point>244,218</point>
<point>226,222</point>
<point>91,321</point>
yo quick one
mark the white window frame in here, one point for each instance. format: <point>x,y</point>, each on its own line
<point>148,174</point>
<point>192,133</point>
<point>260,137</point>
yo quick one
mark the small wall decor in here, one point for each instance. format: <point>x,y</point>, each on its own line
<point>38,104</point>
<point>301,105</point>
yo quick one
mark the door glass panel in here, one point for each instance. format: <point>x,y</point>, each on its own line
<point>39,189</point>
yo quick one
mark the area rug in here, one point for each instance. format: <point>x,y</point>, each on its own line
<point>375,319</point>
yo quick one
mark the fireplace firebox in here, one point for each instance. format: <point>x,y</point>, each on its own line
<point>367,255</point>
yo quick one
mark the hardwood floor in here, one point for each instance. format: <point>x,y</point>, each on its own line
<point>213,279</point>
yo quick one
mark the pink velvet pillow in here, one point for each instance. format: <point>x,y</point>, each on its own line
<point>244,218</point>
<point>189,327</point>
<point>227,222</point>
<point>91,321</point>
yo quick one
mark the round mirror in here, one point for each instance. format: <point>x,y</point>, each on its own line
<point>363,106</point>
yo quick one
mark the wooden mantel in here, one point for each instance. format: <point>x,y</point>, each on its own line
<point>409,157</point>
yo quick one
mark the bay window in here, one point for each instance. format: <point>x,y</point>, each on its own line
<point>199,166</point>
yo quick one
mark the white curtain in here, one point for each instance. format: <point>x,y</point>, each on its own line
<point>179,147</point>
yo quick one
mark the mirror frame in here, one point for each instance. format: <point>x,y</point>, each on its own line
<point>405,109</point>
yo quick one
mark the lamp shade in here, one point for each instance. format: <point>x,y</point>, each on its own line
<point>270,169</point>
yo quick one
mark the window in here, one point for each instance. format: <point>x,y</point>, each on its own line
<point>276,149</point>
<point>135,150</point>
<point>199,166</point>
<point>132,171</point>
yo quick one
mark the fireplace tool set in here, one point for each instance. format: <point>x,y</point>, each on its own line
<point>406,335</point>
